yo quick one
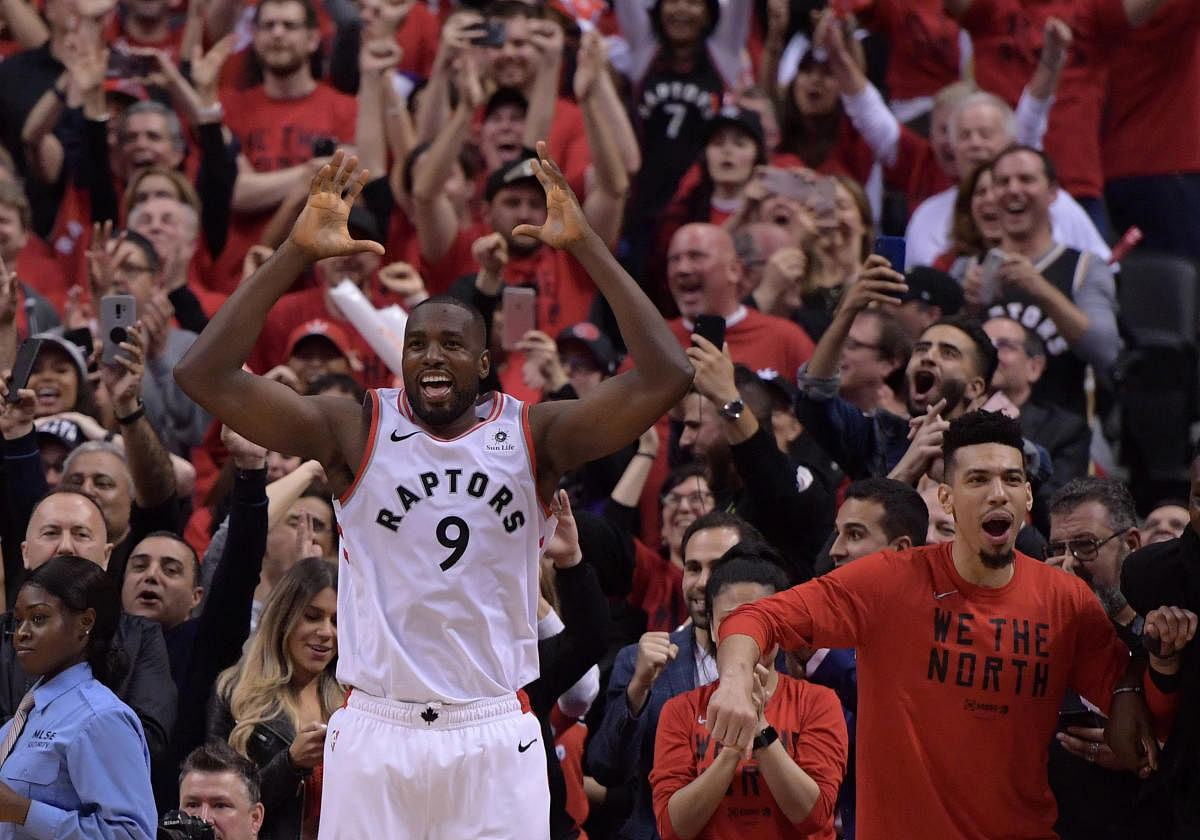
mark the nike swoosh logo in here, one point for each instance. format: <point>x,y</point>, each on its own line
<point>397,438</point>
<point>522,747</point>
<point>937,596</point>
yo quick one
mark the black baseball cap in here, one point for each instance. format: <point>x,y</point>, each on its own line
<point>743,118</point>
<point>597,343</point>
<point>362,224</point>
<point>937,288</point>
<point>505,96</point>
<point>516,172</point>
<point>779,386</point>
<point>66,432</point>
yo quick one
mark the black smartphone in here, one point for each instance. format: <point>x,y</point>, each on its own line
<point>324,146</point>
<point>27,354</point>
<point>892,248</point>
<point>711,327</point>
<point>122,65</point>
<point>492,34</point>
<point>1085,718</point>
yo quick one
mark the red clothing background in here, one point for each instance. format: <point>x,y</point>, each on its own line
<point>276,134</point>
<point>811,727</point>
<point>760,342</point>
<point>1152,116</point>
<point>959,685</point>
<point>1007,39</point>
<point>657,589</point>
<point>564,289</point>
<point>922,41</point>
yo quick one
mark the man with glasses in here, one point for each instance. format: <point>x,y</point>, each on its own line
<point>129,265</point>
<point>1093,528</point>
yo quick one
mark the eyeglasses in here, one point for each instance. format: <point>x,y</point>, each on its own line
<point>1082,548</point>
<point>699,498</point>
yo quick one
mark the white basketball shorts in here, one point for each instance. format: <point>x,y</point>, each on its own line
<point>409,771</point>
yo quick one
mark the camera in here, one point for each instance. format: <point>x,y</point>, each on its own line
<point>179,825</point>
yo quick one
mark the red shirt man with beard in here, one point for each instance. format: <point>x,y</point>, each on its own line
<point>282,124</point>
<point>954,713</point>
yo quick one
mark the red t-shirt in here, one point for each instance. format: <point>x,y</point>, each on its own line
<point>38,268</point>
<point>923,45</point>
<point>811,727</point>
<point>118,37</point>
<point>418,36</point>
<point>276,134</point>
<point>959,685</point>
<point>1151,126</point>
<point>760,342</point>
<point>657,589</point>
<point>1007,39</point>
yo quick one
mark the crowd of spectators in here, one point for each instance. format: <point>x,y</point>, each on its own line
<point>740,157</point>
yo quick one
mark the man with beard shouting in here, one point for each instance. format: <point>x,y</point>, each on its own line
<point>444,504</point>
<point>965,650</point>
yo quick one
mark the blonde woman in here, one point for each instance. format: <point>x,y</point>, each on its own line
<point>272,706</point>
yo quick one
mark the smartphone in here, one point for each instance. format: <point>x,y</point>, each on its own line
<point>787,184</point>
<point>324,146</point>
<point>23,366</point>
<point>520,314</point>
<point>711,327</point>
<point>1080,717</point>
<point>122,65</point>
<point>117,314</point>
<point>891,248</point>
<point>492,34</point>
<point>989,275</point>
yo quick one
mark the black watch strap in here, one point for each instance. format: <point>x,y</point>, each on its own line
<point>764,739</point>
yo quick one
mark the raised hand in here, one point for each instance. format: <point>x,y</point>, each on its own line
<point>566,227</point>
<point>542,369</point>
<point>563,548</point>
<point>1056,42</point>
<point>467,81</point>
<point>592,60</point>
<point>402,279</point>
<point>320,231</point>
<point>255,257</point>
<point>246,454</point>
<point>101,258</point>
<point>379,55</point>
<point>877,284</point>
<point>123,380</point>
<point>206,67</point>
<point>16,418</point>
<point>714,371</point>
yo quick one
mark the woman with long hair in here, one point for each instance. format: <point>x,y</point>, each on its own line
<point>975,228</point>
<point>273,705</point>
<point>75,760</point>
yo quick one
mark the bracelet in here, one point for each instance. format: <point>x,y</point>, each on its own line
<point>649,455</point>
<point>136,415</point>
<point>1128,689</point>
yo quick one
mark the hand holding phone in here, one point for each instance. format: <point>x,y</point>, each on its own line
<point>989,276</point>
<point>118,313</point>
<point>712,328</point>
<point>491,34</point>
<point>27,354</point>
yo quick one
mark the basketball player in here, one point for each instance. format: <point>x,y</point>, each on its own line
<point>443,507</point>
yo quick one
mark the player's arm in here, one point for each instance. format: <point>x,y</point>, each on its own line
<point>266,412</point>
<point>568,433</point>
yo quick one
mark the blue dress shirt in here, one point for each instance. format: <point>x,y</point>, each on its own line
<point>82,759</point>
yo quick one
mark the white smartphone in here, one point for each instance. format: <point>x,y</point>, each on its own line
<point>988,275</point>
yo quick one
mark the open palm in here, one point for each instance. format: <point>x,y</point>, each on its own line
<point>320,229</point>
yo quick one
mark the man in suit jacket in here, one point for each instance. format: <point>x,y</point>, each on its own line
<point>1064,435</point>
<point>660,666</point>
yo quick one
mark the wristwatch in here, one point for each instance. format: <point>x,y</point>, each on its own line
<point>733,409</point>
<point>764,739</point>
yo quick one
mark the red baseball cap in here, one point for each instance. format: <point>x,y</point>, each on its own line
<point>332,332</point>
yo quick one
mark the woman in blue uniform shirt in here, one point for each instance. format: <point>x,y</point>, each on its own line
<point>79,767</point>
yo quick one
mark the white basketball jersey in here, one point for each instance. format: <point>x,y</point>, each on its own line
<point>440,545</point>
